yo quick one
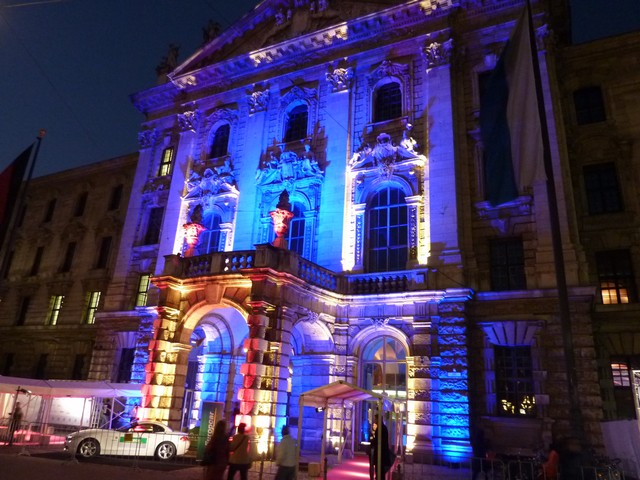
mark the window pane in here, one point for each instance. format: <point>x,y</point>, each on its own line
<point>220,143</point>
<point>589,105</point>
<point>602,189</point>
<point>615,277</point>
<point>387,231</point>
<point>514,381</point>
<point>296,124</point>
<point>388,102</point>
<point>507,264</point>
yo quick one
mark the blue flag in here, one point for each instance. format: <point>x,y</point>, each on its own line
<point>510,120</point>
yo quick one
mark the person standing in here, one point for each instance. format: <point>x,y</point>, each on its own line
<point>286,456</point>
<point>216,454</point>
<point>16,419</point>
<point>383,434</point>
<point>239,458</point>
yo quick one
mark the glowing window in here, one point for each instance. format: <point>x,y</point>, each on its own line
<point>387,231</point>
<point>602,188</point>
<point>296,123</point>
<point>620,374</point>
<point>387,102</point>
<point>514,381</point>
<point>615,277</point>
<point>55,305</point>
<point>166,162</point>
<point>143,289</point>
<point>220,141</point>
<point>91,306</point>
<point>209,239</point>
<point>295,235</point>
<point>507,264</point>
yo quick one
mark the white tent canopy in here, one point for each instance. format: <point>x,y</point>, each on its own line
<point>341,394</point>
<point>69,388</point>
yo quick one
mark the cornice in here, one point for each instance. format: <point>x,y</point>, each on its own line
<point>392,22</point>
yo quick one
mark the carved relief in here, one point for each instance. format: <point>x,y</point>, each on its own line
<point>339,78</point>
<point>189,121</point>
<point>258,101</point>
<point>288,166</point>
<point>437,54</point>
<point>308,95</point>
<point>147,138</point>
<point>388,69</point>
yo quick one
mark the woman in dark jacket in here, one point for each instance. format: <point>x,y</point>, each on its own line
<point>373,455</point>
<point>216,454</point>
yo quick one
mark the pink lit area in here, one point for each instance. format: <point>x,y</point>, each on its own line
<point>350,469</point>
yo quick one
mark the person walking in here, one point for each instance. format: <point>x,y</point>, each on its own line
<point>216,453</point>
<point>286,456</point>
<point>16,419</point>
<point>383,434</point>
<point>239,458</point>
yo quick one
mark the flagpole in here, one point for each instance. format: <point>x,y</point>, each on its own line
<point>9,236</point>
<point>575,414</point>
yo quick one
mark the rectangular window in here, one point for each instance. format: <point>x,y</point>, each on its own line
<point>78,367</point>
<point>602,189</point>
<point>37,260</point>
<point>23,310</point>
<point>143,288</point>
<point>507,264</point>
<point>41,367</point>
<point>615,277</point>
<point>8,364</point>
<point>154,225</point>
<point>116,197</point>
<point>514,381</point>
<point>93,301</point>
<point>68,257</point>
<point>620,374</point>
<point>81,204</point>
<point>124,366</point>
<point>103,253</point>
<point>166,162</point>
<point>589,105</point>
<point>48,214</point>
<point>55,305</point>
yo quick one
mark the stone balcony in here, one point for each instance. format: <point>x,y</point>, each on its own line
<point>269,257</point>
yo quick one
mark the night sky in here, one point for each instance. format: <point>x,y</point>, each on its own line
<point>69,66</point>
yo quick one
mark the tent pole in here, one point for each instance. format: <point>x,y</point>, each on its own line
<point>323,452</point>
<point>379,440</point>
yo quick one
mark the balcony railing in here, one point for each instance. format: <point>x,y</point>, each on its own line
<point>267,256</point>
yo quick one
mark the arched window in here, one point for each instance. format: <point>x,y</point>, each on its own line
<point>209,239</point>
<point>295,235</point>
<point>384,370</point>
<point>296,123</point>
<point>387,231</point>
<point>387,103</point>
<point>220,141</point>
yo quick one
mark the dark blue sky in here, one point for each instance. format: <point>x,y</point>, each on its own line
<point>69,66</point>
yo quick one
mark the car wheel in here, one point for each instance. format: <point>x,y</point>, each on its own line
<point>165,451</point>
<point>89,447</point>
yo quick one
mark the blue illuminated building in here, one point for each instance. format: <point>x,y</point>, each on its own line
<point>357,124</point>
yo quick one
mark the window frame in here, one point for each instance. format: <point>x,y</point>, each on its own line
<point>166,161</point>
<point>92,304</point>
<point>55,306</point>
<point>293,123</point>
<point>388,230</point>
<point>510,275</point>
<point>615,267</point>
<point>589,106</point>
<point>153,229</point>
<point>142,293</point>
<point>219,143</point>
<point>513,384</point>
<point>383,109</point>
<point>602,188</point>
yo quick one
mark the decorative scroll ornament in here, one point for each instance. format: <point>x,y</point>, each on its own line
<point>438,54</point>
<point>147,138</point>
<point>258,101</point>
<point>379,322</point>
<point>189,120</point>
<point>385,154</point>
<point>212,181</point>
<point>307,95</point>
<point>288,166</point>
<point>340,79</point>
<point>388,69</point>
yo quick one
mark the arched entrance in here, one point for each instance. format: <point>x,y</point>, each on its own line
<point>213,370</point>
